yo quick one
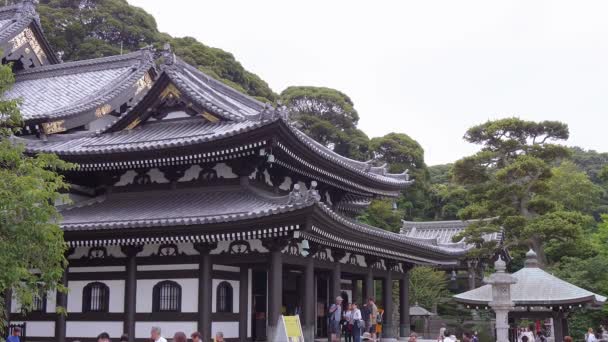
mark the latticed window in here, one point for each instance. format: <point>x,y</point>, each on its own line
<point>224,297</point>
<point>39,302</point>
<point>95,297</point>
<point>167,296</point>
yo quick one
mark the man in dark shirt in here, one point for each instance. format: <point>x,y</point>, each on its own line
<point>365,312</point>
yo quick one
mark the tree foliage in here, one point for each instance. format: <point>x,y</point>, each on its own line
<point>509,179</point>
<point>30,238</point>
<point>381,214</point>
<point>427,286</point>
<point>85,29</point>
<point>329,117</point>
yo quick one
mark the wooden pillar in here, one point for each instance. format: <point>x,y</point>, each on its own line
<point>275,291</point>
<point>336,276</point>
<point>130,290</point>
<point>8,301</point>
<point>309,300</point>
<point>62,300</point>
<point>558,329</point>
<point>404,305</point>
<point>369,284</point>
<point>243,303</point>
<point>205,277</point>
<point>387,322</point>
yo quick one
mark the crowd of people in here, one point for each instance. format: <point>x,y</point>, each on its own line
<point>156,336</point>
<point>353,322</point>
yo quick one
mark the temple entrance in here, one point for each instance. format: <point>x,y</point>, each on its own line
<point>259,312</point>
<point>322,294</point>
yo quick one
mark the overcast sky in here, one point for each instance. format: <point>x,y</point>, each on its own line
<point>427,68</point>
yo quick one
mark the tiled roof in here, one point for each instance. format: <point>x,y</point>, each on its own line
<point>418,310</point>
<point>16,18</point>
<point>150,136</point>
<point>212,94</point>
<point>202,205</point>
<point>206,205</point>
<point>441,232</point>
<point>57,91</point>
<point>535,287</point>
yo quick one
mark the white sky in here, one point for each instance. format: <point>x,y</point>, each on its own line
<point>427,68</point>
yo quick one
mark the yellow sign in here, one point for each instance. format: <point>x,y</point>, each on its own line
<point>293,328</point>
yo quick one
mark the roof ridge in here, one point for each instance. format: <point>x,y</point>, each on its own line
<point>73,65</point>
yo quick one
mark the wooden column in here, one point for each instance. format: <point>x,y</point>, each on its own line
<point>309,300</point>
<point>404,305</point>
<point>275,290</point>
<point>243,302</point>
<point>368,284</point>
<point>205,278</point>
<point>387,322</point>
<point>130,290</point>
<point>336,276</point>
<point>62,300</point>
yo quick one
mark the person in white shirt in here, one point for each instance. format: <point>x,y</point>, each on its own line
<point>448,337</point>
<point>358,323</point>
<point>155,335</point>
<point>590,336</point>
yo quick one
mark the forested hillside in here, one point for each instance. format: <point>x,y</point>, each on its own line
<point>81,29</point>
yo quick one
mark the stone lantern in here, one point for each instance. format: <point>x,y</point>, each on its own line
<point>501,302</point>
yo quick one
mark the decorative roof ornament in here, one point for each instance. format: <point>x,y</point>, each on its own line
<point>531,259</point>
<point>167,55</point>
<point>27,8</point>
<point>301,195</point>
<point>268,113</point>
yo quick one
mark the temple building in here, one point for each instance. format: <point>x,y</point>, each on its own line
<point>195,207</point>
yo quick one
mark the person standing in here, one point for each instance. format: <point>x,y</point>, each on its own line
<point>180,337</point>
<point>413,337</point>
<point>371,302</point>
<point>15,336</point>
<point>441,336</point>
<point>366,313</point>
<point>357,319</point>
<point>219,337</point>
<point>196,337</point>
<point>347,327</point>
<point>103,337</point>
<point>590,336</point>
<point>335,316</point>
<point>155,335</point>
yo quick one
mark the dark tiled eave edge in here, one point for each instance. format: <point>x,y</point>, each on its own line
<point>141,61</point>
<point>25,18</point>
<point>290,143</point>
<point>358,236</point>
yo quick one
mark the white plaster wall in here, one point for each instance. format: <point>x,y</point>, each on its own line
<point>39,328</point>
<point>117,295</point>
<point>168,267</point>
<point>97,269</point>
<point>286,185</point>
<point>168,329</point>
<point>51,297</point>
<point>189,294</point>
<point>235,294</point>
<point>191,173</point>
<point>92,329</point>
<point>230,329</point>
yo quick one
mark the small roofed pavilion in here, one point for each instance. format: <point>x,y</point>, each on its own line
<point>538,294</point>
<point>417,312</point>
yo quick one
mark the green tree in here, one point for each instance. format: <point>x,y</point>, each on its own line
<point>30,238</point>
<point>440,174</point>
<point>508,178</point>
<point>381,214</point>
<point>572,189</point>
<point>427,286</point>
<point>97,28</point>
<point>329,117</point>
